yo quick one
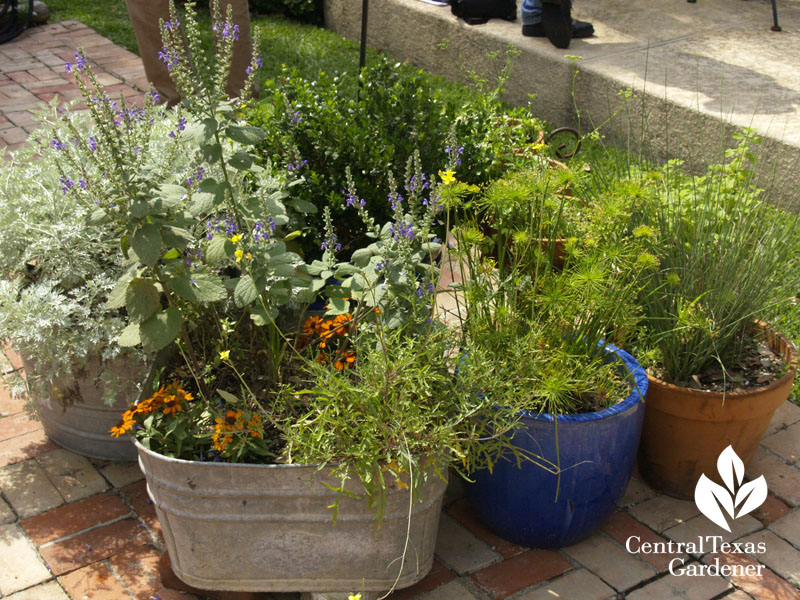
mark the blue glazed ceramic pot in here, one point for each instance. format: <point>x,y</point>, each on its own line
<point>533,507</point>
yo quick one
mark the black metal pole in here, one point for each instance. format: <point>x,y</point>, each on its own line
<point>775,26</point>
<point>362,57</point>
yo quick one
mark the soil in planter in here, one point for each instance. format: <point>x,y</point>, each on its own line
<point>758,366</point>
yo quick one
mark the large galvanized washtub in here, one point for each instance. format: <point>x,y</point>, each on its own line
<point>244,527</point>
<point>74,415</point>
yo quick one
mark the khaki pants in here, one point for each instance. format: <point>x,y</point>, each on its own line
<point>145,17</point>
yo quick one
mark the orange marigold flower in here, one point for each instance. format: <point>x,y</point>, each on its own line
<point>311,324</point>
<point>221,441</point>
<point>173,409</point>
<point>254,425</point>
<point>347,359</point>
<point>232,416</point>
<point>121,427</point>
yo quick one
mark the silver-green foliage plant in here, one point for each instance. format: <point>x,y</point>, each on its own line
<point>726,259</point>
<point>208,237</point>
<point>57,265</point>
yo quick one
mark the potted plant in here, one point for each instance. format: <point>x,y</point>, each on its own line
<point>314,458</point>
<point>717,371</point>
<point>57,267</point>
<point>363,395</point>
<point>578,396</point>
<point>541,192</point>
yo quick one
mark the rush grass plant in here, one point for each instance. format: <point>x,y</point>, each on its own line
<point>726,258</point>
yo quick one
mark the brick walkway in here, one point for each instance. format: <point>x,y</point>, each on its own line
<point>81,529</point>
<point>32,72</point>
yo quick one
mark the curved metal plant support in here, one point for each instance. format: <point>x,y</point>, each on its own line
<point>560,150</point>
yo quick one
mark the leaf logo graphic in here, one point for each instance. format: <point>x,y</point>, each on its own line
<point>712,498</point>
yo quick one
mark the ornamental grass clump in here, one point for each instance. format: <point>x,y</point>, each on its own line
<point>726,258</point>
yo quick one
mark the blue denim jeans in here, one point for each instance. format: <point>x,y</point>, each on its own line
<point>531,12</point>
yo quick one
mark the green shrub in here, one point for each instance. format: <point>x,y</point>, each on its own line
<point>319,128</point>
<point>309,11</point>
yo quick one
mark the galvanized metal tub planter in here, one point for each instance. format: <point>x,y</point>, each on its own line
<point>245,527</point>
<point>534,507</point>
<point>76,418</point>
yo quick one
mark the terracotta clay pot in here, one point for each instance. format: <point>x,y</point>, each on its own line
<point>685,430</point>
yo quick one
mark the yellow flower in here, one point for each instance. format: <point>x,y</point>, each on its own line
<point>448,177</point>
<point>225,355</point>
<point>237,238</point>
<point>354,596</point>
<point>239,254</point>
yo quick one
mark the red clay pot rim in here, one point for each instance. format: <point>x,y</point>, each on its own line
<point>789,375</point>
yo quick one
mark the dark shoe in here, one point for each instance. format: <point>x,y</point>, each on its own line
<point>580,29</point>
<point>557,22</point>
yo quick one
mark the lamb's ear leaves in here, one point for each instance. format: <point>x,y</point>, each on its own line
<point>129,336</point>
<point>228,397</point>
<point>199,287</point>
<point>116,299</point>
<point>161,329</point>
<point>247,290</point>
<point>219,249</point>
<point>244,134</point>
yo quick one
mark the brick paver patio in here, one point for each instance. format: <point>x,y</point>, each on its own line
<point>80,529</point>
<point>32,72</point>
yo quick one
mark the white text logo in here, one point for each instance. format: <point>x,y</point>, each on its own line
<point>737,500</point>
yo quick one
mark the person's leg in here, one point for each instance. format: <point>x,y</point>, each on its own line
<point>557,22</point>
<point>532,21</point>
<point>531,12</point>
<point>242,49</point>
<point>145,17</point>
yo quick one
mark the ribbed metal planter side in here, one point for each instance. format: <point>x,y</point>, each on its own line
<point>83,425</point>
<point>242,527</point>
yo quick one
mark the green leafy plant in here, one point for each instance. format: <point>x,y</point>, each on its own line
<point>209,273</point>
<point>726,258</point>
<point>544,326</point>
<point>303,10</point>
<point>58,262</point>
<point>318,128</point>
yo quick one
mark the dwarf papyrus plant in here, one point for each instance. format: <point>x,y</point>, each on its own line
<point>545,323</point>
<point>726,258</point>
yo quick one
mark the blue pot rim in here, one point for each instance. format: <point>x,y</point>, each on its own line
<point>638,392</point>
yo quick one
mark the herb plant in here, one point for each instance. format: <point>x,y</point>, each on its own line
<point>725,258</point>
